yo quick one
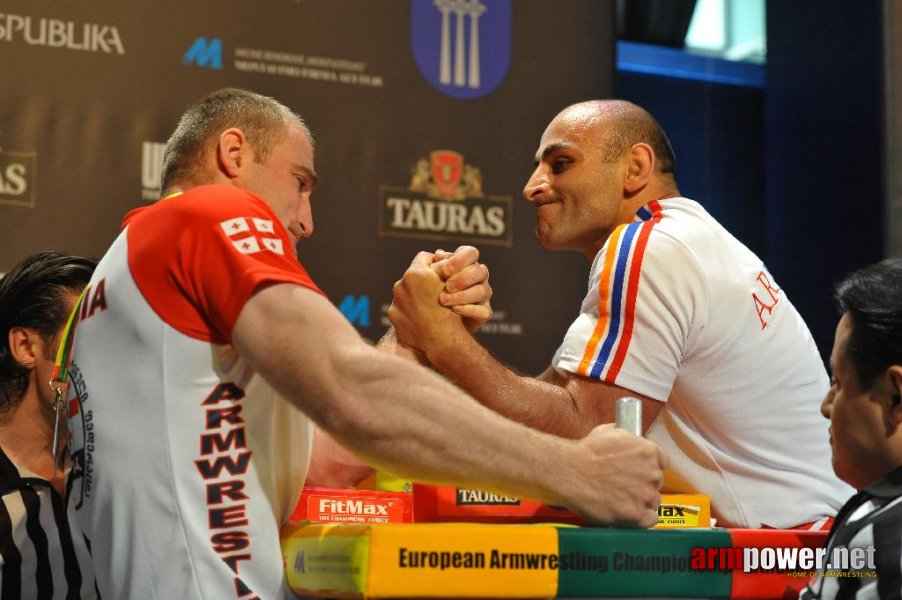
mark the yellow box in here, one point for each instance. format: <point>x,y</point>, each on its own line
<point>447,560</point>
<point>684,510</point>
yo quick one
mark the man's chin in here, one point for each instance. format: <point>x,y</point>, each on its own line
<point>545,238</point>
<point>549,242</point>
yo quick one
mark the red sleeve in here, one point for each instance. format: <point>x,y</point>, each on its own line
<point>198,257</point>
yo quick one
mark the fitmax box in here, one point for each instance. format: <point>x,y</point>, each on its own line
<point>327,505</point>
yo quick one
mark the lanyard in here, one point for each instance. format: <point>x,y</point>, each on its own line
<point>64,353</point>
<point>61,373</point>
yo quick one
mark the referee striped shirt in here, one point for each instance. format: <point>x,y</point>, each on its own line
<point>43,553</point>
<point>872,518</point>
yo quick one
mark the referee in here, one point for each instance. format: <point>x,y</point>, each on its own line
<point>864,406</point>
<point>43,553</point>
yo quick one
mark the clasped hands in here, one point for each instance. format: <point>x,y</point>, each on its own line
<point>439,296</point>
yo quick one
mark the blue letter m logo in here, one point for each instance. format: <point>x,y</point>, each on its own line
<point>204,53</point>
<point>356,310</point>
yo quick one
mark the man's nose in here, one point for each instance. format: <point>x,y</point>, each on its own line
<point>536,185</point>
<point>827,405</point>
<point>305,217</point>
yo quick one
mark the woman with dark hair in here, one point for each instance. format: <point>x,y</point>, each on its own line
<point>43,554</point>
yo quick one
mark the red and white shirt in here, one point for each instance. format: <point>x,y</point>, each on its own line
<point>187,461</point>
<point>679,310</point>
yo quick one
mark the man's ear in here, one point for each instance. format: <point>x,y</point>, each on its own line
<point>23,347</point>
<point>894,380</point>
<point>640,166</point>
<point>232,152</point>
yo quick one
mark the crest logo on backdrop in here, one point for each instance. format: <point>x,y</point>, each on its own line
<point>445,201</point>
<point>462,47</point>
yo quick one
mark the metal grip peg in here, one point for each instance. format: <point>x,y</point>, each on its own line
<point>629,415</point>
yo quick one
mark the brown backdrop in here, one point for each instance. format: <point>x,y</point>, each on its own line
<point>92,88</point>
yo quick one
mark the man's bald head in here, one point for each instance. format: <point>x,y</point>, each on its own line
<point>624,124</point>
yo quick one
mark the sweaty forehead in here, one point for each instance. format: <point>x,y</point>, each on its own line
<point>577,127</point>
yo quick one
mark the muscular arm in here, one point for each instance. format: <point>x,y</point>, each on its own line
<point>467,292</point>
<point>403,418</point>
<point>559,403</point>
<point>332,465</point>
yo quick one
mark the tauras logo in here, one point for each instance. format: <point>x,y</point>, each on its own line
<point>17,173</point>
<point>351,507</point>
<point>471,497</point>
<point>445,201</point>
<point>55,33</point>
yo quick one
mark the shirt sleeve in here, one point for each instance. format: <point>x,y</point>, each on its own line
<point>647,296</point>
<point>199,259</point>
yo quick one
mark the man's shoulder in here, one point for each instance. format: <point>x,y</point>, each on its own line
<point>218,192</point>
<point>209,199</point>
<point>661,236</point>
<point>681,216</point>
<point>201,204</point>
<point>687,224</point>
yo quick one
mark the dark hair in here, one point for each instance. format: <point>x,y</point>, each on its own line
<point>32,295</point>
<point>262,120</point>
<point>872,297</point>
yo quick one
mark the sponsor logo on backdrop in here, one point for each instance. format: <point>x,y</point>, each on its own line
<point>56,33</point>
<point>151,169</point>
<point>356,309</point>
<point>445,201</point>
<point>17,177</point>
<point>306,66</point>
<point>204,53</point>
<point>462,47</point>
<point>210,53</point>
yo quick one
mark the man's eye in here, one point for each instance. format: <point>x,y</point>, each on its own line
<point>302,184</point>
<point>559,164</point>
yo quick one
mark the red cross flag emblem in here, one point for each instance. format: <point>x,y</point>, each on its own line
<point>250,235</point>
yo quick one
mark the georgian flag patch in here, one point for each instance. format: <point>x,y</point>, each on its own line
<point>248,235</point>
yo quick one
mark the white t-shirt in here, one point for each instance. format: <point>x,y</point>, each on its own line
<point>682,312</point>
<point>187,461</point>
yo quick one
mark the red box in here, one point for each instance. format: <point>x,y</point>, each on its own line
<point>326,505</point>
<point>445,504</point>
